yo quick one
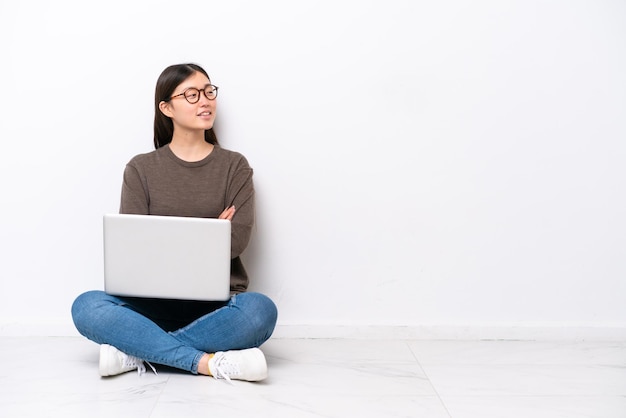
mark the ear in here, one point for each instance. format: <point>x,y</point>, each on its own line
<point>165,108</point>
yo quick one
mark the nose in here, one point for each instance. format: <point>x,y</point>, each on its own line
<point>203,99</point>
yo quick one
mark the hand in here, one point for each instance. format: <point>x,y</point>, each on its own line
<point>227,214</point>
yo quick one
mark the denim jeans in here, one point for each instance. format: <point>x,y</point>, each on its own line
<point>174,333</point>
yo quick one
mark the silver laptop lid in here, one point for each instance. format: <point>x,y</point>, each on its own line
<point>167,257</point>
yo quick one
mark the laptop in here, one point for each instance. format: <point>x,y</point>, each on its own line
<point>167,257</point>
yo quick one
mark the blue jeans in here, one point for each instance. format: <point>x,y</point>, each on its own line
<point>174,333</point>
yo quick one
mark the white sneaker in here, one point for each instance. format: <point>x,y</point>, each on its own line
<point>114,362</point>
<point>247,365</point>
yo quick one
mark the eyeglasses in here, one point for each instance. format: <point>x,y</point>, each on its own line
<point>192,94</point>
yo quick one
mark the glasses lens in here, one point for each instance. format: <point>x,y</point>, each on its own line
<point>192,95</point>
<point>211,92</point>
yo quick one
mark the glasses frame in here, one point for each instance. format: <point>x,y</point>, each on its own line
<point>184,93</point>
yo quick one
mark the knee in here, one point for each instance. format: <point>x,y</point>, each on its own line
<point>261,311</point>
<point>84,300</point>
<point>86,305</point>
<point>265,308</point>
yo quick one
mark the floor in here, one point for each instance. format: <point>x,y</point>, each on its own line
<point>50,377</point>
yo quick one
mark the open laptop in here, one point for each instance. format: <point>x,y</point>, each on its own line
<point>167,257</point>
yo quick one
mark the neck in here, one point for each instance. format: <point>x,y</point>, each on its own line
<point>190,146</point>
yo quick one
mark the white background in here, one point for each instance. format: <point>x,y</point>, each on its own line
<point>417,163</point>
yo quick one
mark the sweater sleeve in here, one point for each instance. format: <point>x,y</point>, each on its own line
<point>240,193</point>
<point>135,198</point>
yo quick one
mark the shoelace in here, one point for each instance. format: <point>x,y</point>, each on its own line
<point>224,368</point>
<point>132,362</point>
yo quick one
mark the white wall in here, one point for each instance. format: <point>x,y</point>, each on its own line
<point>418,164</point>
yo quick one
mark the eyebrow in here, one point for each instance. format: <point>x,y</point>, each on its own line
<point>194,87</point>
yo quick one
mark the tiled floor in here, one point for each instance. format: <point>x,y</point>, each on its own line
<point>50,377</point>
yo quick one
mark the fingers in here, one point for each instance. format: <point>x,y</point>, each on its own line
<point>227,214</point>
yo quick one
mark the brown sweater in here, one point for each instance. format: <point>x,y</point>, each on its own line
<point>159,183</point>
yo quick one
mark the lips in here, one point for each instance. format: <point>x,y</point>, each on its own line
<point>207,113</point>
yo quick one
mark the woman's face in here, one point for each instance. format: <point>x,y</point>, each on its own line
<point>191,116</point>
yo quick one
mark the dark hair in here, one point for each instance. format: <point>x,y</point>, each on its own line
<point>169,79</point>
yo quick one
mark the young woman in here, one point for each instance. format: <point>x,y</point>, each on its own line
<point>188,174</point>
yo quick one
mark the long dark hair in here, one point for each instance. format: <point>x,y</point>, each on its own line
<point>169,79</point>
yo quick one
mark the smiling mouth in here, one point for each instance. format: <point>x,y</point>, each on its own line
<point>207,113</point>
